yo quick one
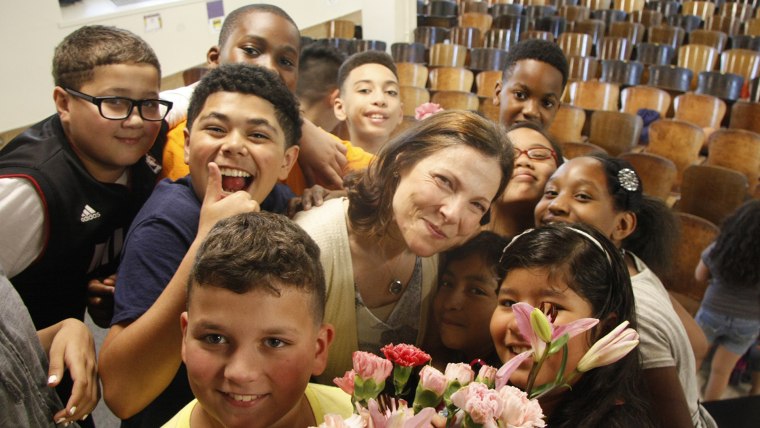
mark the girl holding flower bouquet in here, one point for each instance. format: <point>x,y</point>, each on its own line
<point>570,273</point>
<point>606,193</point>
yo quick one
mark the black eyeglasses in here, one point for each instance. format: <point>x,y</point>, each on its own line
<point>119,108</point>
<point>537,153</point>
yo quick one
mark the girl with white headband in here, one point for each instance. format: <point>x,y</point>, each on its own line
<point>606,193</point>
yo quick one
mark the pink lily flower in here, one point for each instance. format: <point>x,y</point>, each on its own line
<point>523,312</point>
<point>505,371</point>
<point>612,347</point>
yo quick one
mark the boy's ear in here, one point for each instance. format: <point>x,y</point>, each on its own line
<point>187,145</point>
<point>212,56</point>
<point>497,93</point>
<point>61,100</point>
<point>625,224</point>
<point>183,325</point>
<point>340,109</point>
<point>325,337</point>
<point>290,158</point>
<point>330,99</point>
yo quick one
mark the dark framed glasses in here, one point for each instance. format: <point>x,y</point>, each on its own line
<point>119,108</point>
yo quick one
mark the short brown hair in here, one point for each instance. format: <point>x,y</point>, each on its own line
<point>260,251</point>
<point>371,192</point>
<point>76,57</point>
<point>363,58</point>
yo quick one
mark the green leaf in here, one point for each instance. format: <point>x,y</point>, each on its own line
<point>558,344</point>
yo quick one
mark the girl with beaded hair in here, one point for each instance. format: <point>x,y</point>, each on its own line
<point>606,193</point>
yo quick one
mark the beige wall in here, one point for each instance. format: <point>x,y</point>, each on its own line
<point>30,30</point>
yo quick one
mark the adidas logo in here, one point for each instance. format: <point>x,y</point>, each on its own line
<point>89,214</point>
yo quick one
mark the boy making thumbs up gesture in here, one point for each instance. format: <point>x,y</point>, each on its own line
<point>242,127</point>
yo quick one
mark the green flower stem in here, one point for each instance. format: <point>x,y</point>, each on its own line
<point>535,369</point>
<point>400,378</point>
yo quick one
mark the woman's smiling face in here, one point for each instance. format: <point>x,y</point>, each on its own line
<point>440,201</point>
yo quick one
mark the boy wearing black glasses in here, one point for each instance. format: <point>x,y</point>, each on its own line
<point>71,184</point>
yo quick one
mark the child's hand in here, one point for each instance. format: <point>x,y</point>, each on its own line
<point>100,300</point>
<point>313,196</point>
<point>322,157</point>
<point>74,349</point>
<point>217,205</point>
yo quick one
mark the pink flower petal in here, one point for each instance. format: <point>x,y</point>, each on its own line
<point>505,371</point>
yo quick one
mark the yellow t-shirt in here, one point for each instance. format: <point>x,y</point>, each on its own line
<point>174,166</point>
<point>323,399</point>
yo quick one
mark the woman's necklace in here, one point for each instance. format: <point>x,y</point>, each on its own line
<point>395,285</point>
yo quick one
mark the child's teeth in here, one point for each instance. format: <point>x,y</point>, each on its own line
<point>244,397</point>
<point>229,172</point>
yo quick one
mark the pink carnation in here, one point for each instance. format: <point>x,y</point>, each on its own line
<point>346,383</point>
<point>370,366</point>
<point>483,404</point>
<point>459,371</point>
<point>405,355</point>
<point>518,411</point>
<point>426,109</point>
<point>433,380</point>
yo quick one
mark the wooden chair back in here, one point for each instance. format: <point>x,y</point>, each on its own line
<point>714,39</point>
<point>628,6</point>
<point>488,109</point>
<point>451,79</point>
<point>614,131</point>
<point>667,35</point>
<point>678,141</point>
<point>632,31</point>
<point>411,97</point>
<point>572,149</point>
<point>594,95</point>
<point>649,18</point>
<point>695,235</point>
<point>485,82</point>
<point>593,27</point>
<point>412,74</point>
<point>340,29</point>
<point>455,100</point>
<point>702,9</point>
<point>705,111</point>
<point>447,55</point>
<point>697,58</point>
<point>634,98</point>
<point>743,62</point>
<point>596,4</point>
<point>469,37</point>
<point>745,115</point>
<point>657,173</point>
<point>752,26</point>
<point>481,21</point>
<point>575,44</point>
<point>614,48</point>
<point>743,11</point>
<point>737,149</point>
<point>568,124</point>
<point>712,192</point>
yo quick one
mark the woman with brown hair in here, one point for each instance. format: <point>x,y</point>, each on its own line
<point>428,190</point>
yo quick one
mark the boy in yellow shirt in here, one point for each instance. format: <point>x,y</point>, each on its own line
<point>253,332</point>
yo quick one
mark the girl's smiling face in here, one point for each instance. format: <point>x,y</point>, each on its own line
<point>537,286</point>
<point>578,193</point>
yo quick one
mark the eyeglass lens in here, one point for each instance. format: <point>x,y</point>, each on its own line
<point>121,108</point>
<point>536,153</point>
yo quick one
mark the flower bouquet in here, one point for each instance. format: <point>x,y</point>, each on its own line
<point>461,398</point>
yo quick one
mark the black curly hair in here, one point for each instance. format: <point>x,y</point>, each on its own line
<point>251,80</point>
<point>539,50</point>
